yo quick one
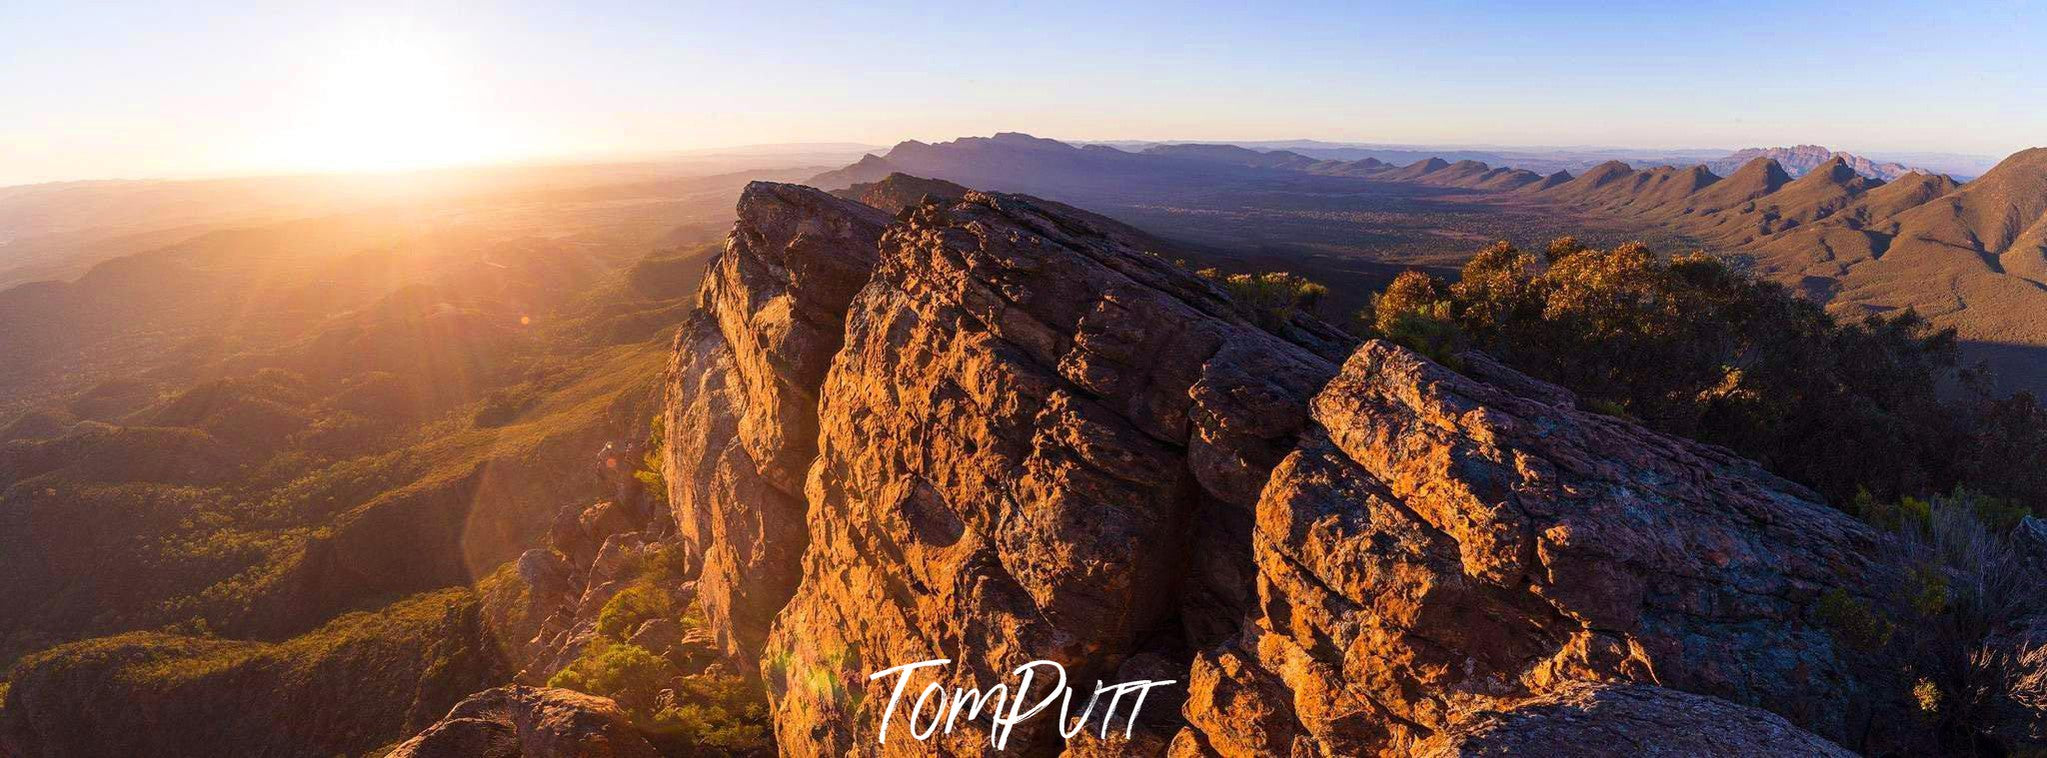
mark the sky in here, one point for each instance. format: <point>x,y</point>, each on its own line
<point>168,89</point>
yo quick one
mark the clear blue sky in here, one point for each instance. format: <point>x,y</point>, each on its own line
<point>125,90</point>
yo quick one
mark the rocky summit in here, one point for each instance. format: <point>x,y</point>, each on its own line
<point>1440,545</point>
<point>742,413</point>
<point>530,722</point>
<point>1037,443</point>
<point>992,431</point>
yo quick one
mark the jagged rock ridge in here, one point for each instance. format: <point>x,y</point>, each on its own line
<point>741,418</point>
<point>1029,418</point>
<point>1441,546</point>
<point>530,722</point>
<point>1038,439</point>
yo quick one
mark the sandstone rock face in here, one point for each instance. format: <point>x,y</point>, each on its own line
<point>529,722</point>
<point>998,430</point>
<point>741,416</point>
<point>1039,442</point>
<point>1440,546</point>
<point>1635,721</point>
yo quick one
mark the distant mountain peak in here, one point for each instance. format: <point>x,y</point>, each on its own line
<point>1800,160</point>
<point>1022,139</point>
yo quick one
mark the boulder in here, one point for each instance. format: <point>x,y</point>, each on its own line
<point>658,635</point>
<point>1439,546</point>
<point>530,722</point>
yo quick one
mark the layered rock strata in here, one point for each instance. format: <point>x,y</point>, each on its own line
<point>995,430</point>
<point>741,418</point>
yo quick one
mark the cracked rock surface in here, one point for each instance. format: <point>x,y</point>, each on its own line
<point>996,429</point>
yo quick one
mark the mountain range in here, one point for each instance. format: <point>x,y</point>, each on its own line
<point>1579,158</point>
<point>1972,256</point>
<point>1803,158</point>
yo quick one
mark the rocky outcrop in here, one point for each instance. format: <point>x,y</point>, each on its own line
<point>565,598</point>
<point>1440,546</point>
<point>1036,439</point>
<point>530,722</point>
<point>1039,442</point>
<point>1636,721</point>
<point>545,609</point>
<point>896,192</point>
<point>741,418</point>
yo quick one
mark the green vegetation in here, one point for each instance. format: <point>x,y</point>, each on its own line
<point>257,433</point>
<point>1273,297</point>
<point>502,406</point>
<point>649,473</point>
<point>1876,415</point>
<point>683,709</point>
<point>717,711</point>
<point>1928,592</point>
<point>206,692</point>
<point>623,672</point>
<point>1694,346</point>
<point>1994,513</point>
<point>700,713</point>
<point>667,276</point>
<point>432,421</point>
<point>1927,696</point>
<point>1853,621</point>
<point>646,599</point>
<point>1967,579</point>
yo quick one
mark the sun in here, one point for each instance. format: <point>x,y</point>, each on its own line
<point>394,100</point>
